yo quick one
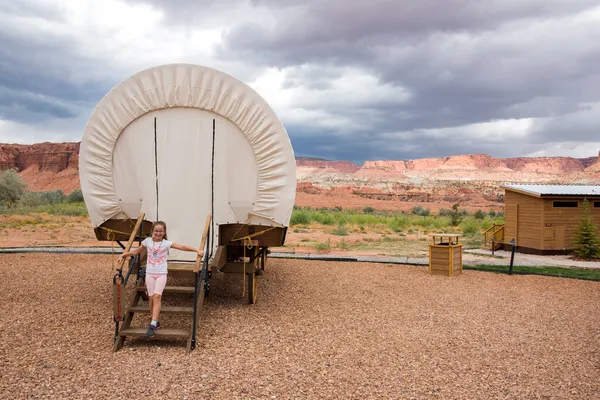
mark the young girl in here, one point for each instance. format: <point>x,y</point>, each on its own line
<point>156,267</point>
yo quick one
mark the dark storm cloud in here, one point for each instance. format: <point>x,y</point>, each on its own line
<point>437,67</point>
<point>303,31</point>
<point>43,76</point>
<point>457,58</point>
<point>22,106</point>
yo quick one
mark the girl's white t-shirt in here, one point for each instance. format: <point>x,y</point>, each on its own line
<point>157,255</point>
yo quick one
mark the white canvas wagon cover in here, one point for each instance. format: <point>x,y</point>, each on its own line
<point>179,142</point>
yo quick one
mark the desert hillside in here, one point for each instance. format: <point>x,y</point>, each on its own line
<point>473,180</point>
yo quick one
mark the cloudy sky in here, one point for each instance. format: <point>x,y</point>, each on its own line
<point>368,80</point>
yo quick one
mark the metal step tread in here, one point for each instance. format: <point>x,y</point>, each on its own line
<point>164,309</point>
<point>160,333</point>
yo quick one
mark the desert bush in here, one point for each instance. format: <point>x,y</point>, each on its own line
<point>397,224</point>
<point>444,212</point>
<point>342,244</point>
<point>67,209</point>
<point>12,187</point>
<point>479,214</point>
<point>300,217</point>
<point>30,199</point>
<point>52,197</point>
<point>470,226</point>
<point>418,210</point>
<point>368,210</point>
<point>76,196</point>
<point>328,220</point>
<point>323,246</point>
<point>341,230</point>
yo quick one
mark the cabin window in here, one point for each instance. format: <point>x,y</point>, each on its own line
<point>597,204</point>
<point>565,204</point>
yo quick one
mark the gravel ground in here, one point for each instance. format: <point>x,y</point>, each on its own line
<point>320,330</point>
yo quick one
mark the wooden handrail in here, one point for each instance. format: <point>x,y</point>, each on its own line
<point>492,228</point>
<point>202,243</point>
<point>132,238</point>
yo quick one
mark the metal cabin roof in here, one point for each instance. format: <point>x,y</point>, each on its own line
<point>556,190</point>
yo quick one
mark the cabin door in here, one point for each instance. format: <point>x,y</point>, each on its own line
<point>559,238</point>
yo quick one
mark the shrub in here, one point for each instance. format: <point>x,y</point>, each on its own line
<point>444,212</point>
<point>341,230</point>
<point>52,197</point>
<point>31,199</point>
<point>479,215</point>
<point>12,187</point>
<point>470,227</point>
<point>418,210</point>
<point>76,196</point>
<point>398,224</point>
<point>586,242</point>
<point>323,246</point>
<point>328,220</point>
<point>368,210</point>
<point>342,244</point>
<point>300,217</point>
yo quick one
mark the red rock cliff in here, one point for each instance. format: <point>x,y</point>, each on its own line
<point>341,166</point>
<point>53,157</point>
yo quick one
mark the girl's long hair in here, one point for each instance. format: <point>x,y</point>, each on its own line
<point>164,225</point>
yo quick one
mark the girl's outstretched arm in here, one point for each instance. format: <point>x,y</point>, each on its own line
<point>187,248</point>
<point>131,253</point>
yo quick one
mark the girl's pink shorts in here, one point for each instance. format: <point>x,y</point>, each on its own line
<point>155,283</point>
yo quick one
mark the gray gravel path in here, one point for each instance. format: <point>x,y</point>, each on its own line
<point>470,257</point>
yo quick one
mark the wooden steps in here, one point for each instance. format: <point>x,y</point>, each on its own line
<point>195,270</point>
<point>181,268</point>
<point>165,333</point>
<point>163,309</point>
<point>171,289</point>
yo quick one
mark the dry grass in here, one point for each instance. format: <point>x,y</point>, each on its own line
<point>320,330</point>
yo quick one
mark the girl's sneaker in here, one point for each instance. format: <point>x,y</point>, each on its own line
<point>152,329</point>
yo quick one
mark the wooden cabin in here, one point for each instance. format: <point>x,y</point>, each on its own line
<point>543,218</point>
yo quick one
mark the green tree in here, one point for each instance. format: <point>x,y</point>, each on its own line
<point>587,244</point>
<point>456,216</point>
<point>12,187</point>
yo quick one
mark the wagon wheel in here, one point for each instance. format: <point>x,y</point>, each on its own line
<point>252,288</point>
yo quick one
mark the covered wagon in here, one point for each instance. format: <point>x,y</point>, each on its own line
<point>196,148</point>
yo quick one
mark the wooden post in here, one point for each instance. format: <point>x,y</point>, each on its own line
<point>202,243</point>
<point>199,288</point>
<point>132,237</point>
